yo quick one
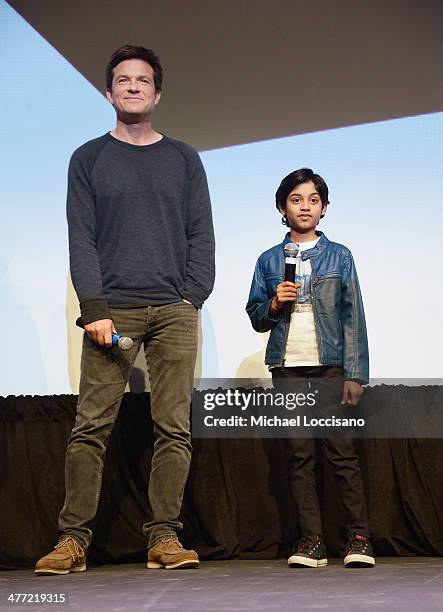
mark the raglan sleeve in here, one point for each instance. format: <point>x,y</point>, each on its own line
<point>200,267</point>
<point>83,256</point>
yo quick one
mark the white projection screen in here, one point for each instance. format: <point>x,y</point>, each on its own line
<point>386,198</point>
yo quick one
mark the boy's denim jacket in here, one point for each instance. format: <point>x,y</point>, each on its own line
<point>336,302</point>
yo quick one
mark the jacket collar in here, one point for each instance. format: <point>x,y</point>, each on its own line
<point>319,247</point>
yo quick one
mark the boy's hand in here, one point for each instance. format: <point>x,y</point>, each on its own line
<point>284,293</point>
<point>352,392</point>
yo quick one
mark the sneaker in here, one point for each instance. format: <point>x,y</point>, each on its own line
<point>359,552</point>
<point>68,556</point>
<point>309,552</point>
<point>170,554</point>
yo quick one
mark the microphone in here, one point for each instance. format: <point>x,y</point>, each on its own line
<point>291,251</point>
<point>123,342</point>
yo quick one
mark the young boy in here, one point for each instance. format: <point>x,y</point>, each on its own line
<point>323,335</point>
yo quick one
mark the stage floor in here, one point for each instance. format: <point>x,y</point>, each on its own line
<point>407,583</point>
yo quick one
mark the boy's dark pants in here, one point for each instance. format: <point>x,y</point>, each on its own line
<point>340,452</point>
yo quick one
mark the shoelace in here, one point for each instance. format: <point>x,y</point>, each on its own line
<point>359,544</point>
<point>307,544</point>
<point>74,549</point>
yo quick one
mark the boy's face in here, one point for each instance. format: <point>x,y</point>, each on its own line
<point>303,208</point>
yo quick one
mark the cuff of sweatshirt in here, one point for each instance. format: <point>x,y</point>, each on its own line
<point>194,293</point>
<point>94,310</point>
<point>191,296</point>
<point>192,301</point>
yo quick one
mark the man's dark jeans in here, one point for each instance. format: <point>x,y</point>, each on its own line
<point>169,333</point>
<point>340,452</point>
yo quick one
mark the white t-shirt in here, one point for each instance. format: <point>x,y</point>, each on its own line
<point>301,347</point>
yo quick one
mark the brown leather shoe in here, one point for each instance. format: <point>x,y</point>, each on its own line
<point>170,554</point>
<point>67,556</point>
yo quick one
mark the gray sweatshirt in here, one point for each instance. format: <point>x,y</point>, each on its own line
<point>140,225</point>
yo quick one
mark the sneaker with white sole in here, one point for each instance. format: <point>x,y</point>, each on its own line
<point>359,552</point>
<point>309,552</point>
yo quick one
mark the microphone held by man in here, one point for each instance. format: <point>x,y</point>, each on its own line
<point>123,342</point>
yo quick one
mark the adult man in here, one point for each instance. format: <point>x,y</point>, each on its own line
<point>142,262</point>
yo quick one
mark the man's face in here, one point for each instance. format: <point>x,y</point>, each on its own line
<point>133,92</point>
<point>303,207</point>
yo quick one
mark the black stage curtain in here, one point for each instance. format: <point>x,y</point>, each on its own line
<point>237,501</point>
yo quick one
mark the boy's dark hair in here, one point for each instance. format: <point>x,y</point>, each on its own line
<point>303,175</point>
<point>131,52</point>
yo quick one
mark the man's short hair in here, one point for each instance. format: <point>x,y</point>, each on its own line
<point>132,52</point>
<point>297,177</point>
